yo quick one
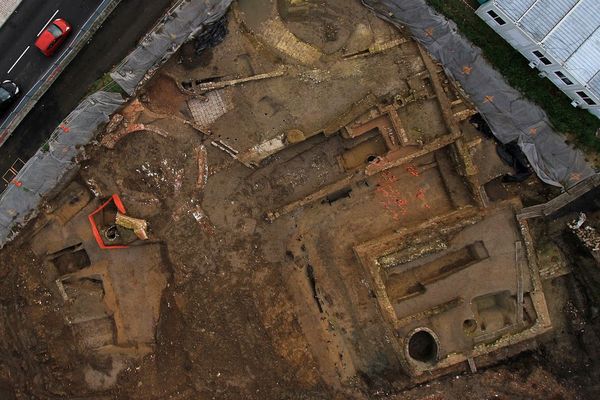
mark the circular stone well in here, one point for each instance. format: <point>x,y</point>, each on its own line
<point>422,347</point>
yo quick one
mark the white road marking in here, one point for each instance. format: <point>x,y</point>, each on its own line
<point>47,23</point>
<point>18,59</point>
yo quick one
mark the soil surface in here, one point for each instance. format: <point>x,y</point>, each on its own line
<point>238,306</point>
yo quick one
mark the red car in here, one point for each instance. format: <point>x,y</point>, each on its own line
<point>53,36</point>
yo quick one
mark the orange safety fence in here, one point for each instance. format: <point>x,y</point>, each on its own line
<point>120,207</point>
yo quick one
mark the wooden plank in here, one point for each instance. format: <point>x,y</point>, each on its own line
<point>561,200</point>
<point>208,86</point>
<point>311,198</point>
<point>519,258</point>
<point>389,160</point>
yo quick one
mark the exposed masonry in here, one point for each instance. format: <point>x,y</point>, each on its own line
<point>276,34</point>
<point>510,116</point>
<point>207,110</point>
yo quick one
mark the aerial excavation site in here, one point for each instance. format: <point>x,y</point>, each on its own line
<point>302,199</point>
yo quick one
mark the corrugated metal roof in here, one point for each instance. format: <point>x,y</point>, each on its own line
<point>585,62</point>
<point>543,16</point>
<point>569,30</point>
<point>514,8</point>
<point>594,84</point>
<point>581,23</point>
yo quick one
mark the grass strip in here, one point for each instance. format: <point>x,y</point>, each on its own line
<point>577,123</point>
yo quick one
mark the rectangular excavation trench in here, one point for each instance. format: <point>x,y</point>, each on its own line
<point>414,281</point>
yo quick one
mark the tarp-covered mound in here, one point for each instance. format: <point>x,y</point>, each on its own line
<point>46,168</point>
<point>186,20</point>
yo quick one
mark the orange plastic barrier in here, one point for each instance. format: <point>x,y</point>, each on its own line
<point>120,207</point>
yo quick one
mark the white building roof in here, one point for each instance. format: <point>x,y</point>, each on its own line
<point>569,30</point>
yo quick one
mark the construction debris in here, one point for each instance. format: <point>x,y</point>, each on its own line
<point>253,156</point>
<point>219,144</point>
<point>204,87</point>
<point>202,156</point>
<point>115,122</point>
<point>588,235</point>
<point>376,48</point>
<point>139,226</point>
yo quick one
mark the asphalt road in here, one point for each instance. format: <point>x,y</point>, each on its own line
<point>21,61</point>
<point>120,33</point>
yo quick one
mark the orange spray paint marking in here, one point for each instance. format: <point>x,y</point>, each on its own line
<point>575,177</point>
<point>411,169</point>
<point>421,196</point>
<point>401,202</point>
<point>392,198</point>
<point>388,177</point>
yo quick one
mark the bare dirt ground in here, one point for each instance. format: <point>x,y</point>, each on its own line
<point>252,309</point>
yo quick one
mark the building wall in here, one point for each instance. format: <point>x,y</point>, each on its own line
<point>526,45</point>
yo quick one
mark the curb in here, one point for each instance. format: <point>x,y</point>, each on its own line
<point>34,94</point>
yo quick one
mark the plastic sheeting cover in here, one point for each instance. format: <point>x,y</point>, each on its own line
<point>510,116</point>
<point>180,25</point>
<point>46,168</point>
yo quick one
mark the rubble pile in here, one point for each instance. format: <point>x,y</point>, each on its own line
<point>588,235</point>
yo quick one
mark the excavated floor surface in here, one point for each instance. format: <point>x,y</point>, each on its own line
<point>233,298</point>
